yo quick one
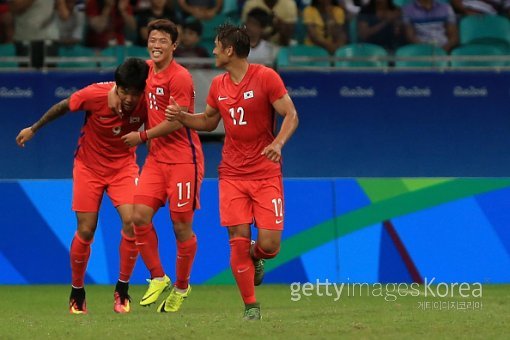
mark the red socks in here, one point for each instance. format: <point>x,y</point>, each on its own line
<point>79,253</point>
<point>242,268</point>
<point>147,243</point>
<point>185,256</point>
<point>128,254</point>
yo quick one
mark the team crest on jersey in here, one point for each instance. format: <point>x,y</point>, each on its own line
<point>160,91</point>
<point>248,94</point>
<point>134,120</point>
<point>116,130</point>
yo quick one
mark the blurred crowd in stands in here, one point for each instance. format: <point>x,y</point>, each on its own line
<point>329,24</point>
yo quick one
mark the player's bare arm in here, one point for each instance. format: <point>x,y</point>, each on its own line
<point>57,110</point>
<point>205,121</point>
<point>285,107</point>
<point>164,128</point>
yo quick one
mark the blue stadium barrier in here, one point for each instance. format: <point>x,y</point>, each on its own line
<point>403,124</point>
<point>343,230</point>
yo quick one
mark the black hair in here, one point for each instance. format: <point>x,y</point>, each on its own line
<point>261,16</point>
<point>195,26</point>
<point>132,73</point>
<point>164,25</point>
<point>235,36</point>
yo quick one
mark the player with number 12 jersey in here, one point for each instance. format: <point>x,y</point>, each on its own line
<point>249,120</point>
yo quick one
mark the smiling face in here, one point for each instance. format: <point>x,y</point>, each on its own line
<point>161,47</point>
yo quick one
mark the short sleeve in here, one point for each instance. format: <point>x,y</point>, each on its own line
<point>213,94</point>
<point>182,89</point>
<point>287,11</point>
<point>339,15</point>
<point>311,16</point>
<point>452,19</point>
<point>274,85</point>
<point>80,99</point>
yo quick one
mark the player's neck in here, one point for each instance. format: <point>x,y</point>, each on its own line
<point>238,69</point>
<point>160,66</point>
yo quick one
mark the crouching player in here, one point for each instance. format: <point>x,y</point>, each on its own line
<point>103,163</point>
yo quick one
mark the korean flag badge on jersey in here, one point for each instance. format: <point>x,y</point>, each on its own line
<point>248,94</point>
<point>159,91</point>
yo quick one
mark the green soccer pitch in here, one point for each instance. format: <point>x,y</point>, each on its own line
<point>37,312</point>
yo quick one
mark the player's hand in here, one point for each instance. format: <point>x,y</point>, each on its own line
<point>173,111</point>
<point>24,136</point>
<point>273,152</point>
<point>132,139</point>
<point>114,101</point>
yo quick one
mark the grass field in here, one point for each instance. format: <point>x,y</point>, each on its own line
<point>34,312</point>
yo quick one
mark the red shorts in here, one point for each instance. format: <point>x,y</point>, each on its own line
<point>255,201</point>
<point>177,183</point>
<point>89,186</point>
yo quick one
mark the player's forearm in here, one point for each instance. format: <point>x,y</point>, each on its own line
<point>53,113</point>
<point>289,125</point>
<point>162,129</point>
<point>197,122</point>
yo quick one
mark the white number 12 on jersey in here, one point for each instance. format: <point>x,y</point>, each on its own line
<point>240,112</point>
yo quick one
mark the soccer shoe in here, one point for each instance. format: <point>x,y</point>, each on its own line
<point>156,287</point>
<point>258,277</point>
<point>174,301</point>
<point>121,303</point>
<point>259,272</point>
<point>77,303</point>
<point>77,307</point>
<point>252,312</point>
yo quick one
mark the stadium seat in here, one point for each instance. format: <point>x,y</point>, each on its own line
<point>300,31</point>
<point>420,50</point>
<point>9,51</point>
<point>362,50</point>
<point>117,54</point>
<point>229,7</point>
<point>209,26</point>
<point>208,45</point>
<point>79,57</point>
<point>308,53</point>
<point>474,51</point>
<point>485,29</point>
<point>136,51</point>
<point>401,3</point>
<point>352,30</point>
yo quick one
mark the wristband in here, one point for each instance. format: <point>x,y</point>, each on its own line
<point>143,135</point>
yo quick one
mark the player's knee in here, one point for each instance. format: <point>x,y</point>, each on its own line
<point>183,231</point>
<point>127,228</point>
<point>86,233</point>
<point>139,218</point>
<point>267,248</point>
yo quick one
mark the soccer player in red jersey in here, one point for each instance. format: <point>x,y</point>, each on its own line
<point>247,97</point>
<point>103,163</point>
<point>173,170</point>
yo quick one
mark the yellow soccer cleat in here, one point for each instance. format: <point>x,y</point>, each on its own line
<point>174,301</point>
<point>156,287</point>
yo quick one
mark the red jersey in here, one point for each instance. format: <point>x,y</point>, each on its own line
<point>249,120</point>
<point>182,146</point>
<point>100,146</point>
